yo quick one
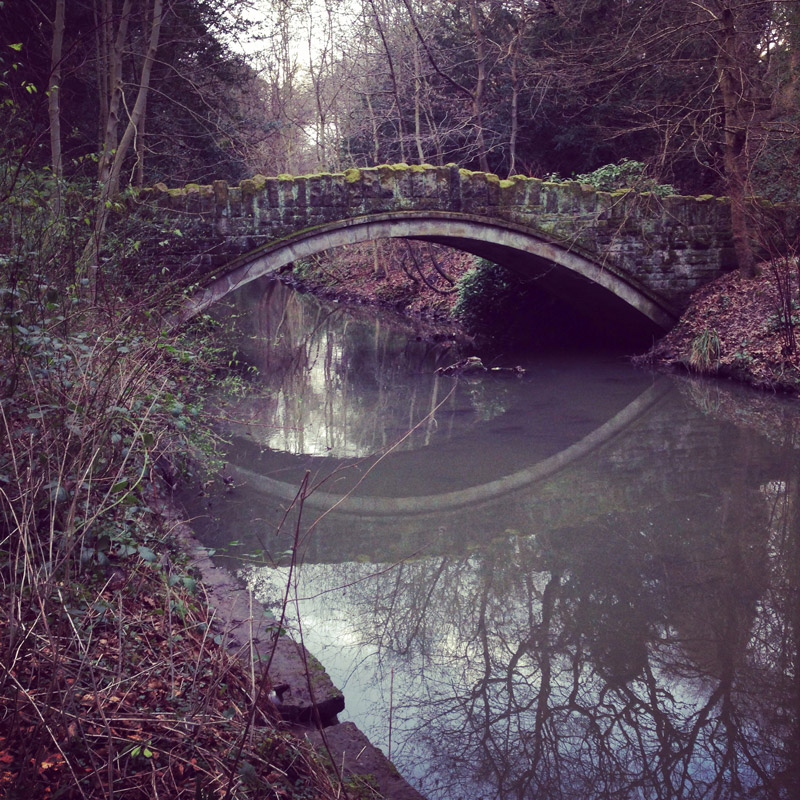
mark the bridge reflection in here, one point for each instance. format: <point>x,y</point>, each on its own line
<point>582,584</point>
<point>635,641</point>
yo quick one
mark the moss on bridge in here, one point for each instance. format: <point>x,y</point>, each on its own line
<point>666,247</point>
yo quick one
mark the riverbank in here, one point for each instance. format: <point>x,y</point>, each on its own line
<point>114,675</point>
<point>736,328</point>
<point>397,283</point>
<point>128,664</point>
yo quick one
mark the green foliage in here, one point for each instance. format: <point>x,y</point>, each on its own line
<point>775,173</point>
<point>200,137</point>
<point>484,294</point>
<point>705,351</point>
<point>97,404</point>
<point>624,175</point>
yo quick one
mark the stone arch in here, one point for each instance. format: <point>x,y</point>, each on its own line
<point>564,270</point>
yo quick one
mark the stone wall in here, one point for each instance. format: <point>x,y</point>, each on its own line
<point>668,245</point>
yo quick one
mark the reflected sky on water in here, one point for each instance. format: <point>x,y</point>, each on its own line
<point>578,584</point>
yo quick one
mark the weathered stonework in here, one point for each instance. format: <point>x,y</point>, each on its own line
<point>638,245</point>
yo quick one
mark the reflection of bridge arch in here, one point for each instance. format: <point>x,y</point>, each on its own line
<point>574,276</point>
<point>366,506</point>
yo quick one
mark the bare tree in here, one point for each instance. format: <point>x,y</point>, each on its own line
<point>54,102</point>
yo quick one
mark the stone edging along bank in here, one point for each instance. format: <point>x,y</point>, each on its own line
<point>306,693</point>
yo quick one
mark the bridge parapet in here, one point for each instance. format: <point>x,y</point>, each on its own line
<point>666,246</point>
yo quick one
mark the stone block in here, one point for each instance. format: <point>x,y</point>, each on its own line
<point>363,764</point>
<point>269,197</point>
<point>569,197</point>
<point>247,189</point>
<point>301,192</point>
<point>286,194</point>
<point>492,190</point>
<point>587,199</point>
<point>339,194</point>
<point>550,197</point>
<point>453,199</point>
<point>321,191</point>
<point>424,184</point>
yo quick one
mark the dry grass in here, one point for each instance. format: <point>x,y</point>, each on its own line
<point>113,683</point>
<point>120,690</point>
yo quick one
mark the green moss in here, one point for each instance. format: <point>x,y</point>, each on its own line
<point>284,176</point>
<point>352,175</point>
<point>507,184</point>
<point>704,198</point>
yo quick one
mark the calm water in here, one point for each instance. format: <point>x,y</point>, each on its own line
<point>582,583</point>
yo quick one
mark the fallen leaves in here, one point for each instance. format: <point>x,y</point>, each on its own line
<point>137,701</point>
<point>743,314</point>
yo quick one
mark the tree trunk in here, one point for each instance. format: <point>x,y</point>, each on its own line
<point>732,89</point>
<point>139,148</point>
<point>113,59</point>
<point>113,159</point>
<point>417,120</point>
<point>393,76</point>
<point>480,85</point>
<point>374,125</point>
<point>54,103</point>
<point>139,106</point>
<point>512,141</point>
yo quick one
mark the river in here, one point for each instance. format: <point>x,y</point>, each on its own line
<point>577,583</point>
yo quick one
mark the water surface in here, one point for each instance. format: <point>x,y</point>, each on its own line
<point>582,583</point>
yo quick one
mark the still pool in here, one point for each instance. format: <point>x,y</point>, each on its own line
<point>579,583</point>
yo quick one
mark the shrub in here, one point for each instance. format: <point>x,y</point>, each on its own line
<point>624,175</point>
<point>484,296</point>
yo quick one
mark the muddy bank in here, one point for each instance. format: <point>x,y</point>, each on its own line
<point>416,280</point>
<point>420,325</point>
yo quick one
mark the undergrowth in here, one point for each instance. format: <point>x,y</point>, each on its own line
<point>113,682</point>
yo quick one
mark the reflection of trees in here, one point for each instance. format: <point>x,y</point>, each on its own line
<point>650,651</point>
<point>631,657</point>
<point>340,385</point>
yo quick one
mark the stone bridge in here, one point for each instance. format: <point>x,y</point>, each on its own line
<point>625,254</point>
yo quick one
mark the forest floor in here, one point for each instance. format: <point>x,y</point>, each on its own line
<point>736,328</point>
